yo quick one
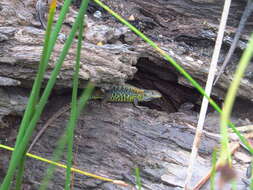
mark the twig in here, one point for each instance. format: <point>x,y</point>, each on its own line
<point>233,147</point>
<point>232,136</point>
<point>246,13</point>
<point>208,89</point>
<point>47,124</point>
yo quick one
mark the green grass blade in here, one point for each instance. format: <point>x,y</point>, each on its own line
<point>56,157</point>
<point>44,59</point>
<point>138,178</point>
<point>73,115</point>
<point>49,44</point>
<point>58,26</point>
<point>38,80</point>
<point>230,98</point>
<point>20,174</point>
<point>34,95</point>
<point>213,172</point>
<point>20,150</point>
<point>31,105</point>
<point>251,177</point>
<point>234,185</point>
<point>178,67</point>
<point>162,52</point>
<point>242,139</point>
<point>84,98</point>
<point>62,142</point>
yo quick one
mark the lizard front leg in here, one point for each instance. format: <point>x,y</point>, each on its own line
<point>136,104</point>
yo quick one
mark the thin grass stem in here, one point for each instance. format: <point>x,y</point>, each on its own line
<point>63,140</point>
<point>73,114</point>
<point>230,98</point>
<point>31,105</point>
<point>138,178</point>
<point>251,175</point>
<point>213,172</point>
<point>21,147</point>
<point>208,90</point>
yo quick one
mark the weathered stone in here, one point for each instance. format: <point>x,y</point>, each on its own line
<point>12,102</point>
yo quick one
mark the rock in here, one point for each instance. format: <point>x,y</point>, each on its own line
<point>12,102</point>
<point>113,140</point>
<point>5,81</point>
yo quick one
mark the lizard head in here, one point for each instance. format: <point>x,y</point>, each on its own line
<point>151,94</point>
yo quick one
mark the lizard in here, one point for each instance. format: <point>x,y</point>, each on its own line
<point>117,93</point>
<point>127,93</point>
<point>246,13</point>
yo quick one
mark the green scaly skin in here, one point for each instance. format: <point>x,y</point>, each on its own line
<point>127,93</point>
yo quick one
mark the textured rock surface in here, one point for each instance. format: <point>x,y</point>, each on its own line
<point>12,103</point>
<point>21,46</point>
<point>113,140</point>
<point>187,38</point>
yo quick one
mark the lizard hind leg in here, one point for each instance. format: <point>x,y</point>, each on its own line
<point>106,98</point>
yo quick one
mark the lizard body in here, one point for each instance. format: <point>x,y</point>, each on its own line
<point>246,13</point>
<point>121,93</point>
<point>126,93</point>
